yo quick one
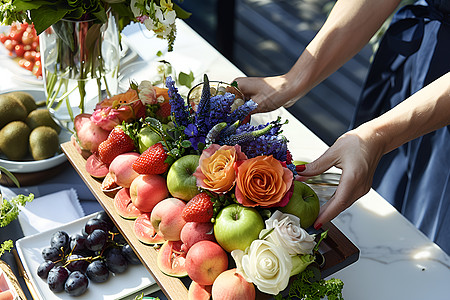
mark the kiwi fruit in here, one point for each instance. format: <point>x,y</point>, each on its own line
<point>14,140</point>
<point>43,142</point>
<point>11,110</point>
<point>26,99</point>
<point>42,117</point>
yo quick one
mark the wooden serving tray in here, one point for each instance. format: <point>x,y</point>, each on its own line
<point>337,249</point>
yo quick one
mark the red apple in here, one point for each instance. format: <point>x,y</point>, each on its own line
<point>148,190</point>
<point>166,218</point>
<point>230,285</point>
<point>205,260</point>
<point>199,292</point>
<point>194,232</point>
<point>121,169</point>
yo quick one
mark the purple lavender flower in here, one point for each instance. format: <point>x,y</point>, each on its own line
<point>243,111</point>
<point>179,109</point>
<point>220,109</point>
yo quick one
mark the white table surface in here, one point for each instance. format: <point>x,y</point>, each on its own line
<point>396,261</point>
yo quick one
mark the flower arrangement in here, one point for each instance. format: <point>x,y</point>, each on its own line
<point>158,16</point>
<point>241,171</point>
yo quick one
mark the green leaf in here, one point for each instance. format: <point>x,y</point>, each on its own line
<point>181,13</point>
<point>186,144</point>
<point>46,16</point>
<point>186,79</point>
<point>10,175</point>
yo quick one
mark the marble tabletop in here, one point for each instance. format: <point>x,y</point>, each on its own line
<point>396,260</point>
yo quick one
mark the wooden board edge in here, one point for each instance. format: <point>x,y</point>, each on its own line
<point>172,287</point>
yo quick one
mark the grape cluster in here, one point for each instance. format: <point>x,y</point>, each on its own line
<point>71,262</point>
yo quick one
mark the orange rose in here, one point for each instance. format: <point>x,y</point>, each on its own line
<point>262,181</point>
<point>215,171</point>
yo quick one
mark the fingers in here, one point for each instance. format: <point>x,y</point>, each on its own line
<point>320,165</point>
<point>350,189</point>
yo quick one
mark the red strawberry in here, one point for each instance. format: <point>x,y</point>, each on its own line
<point>151,161</point>
<point>198,209</point>
<point>118,142</point>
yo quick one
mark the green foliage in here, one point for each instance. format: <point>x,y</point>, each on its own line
<point>6,246</point>
<point>305,288</point>
<point>10,209</point>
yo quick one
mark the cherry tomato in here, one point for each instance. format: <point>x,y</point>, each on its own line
<point>37,69</point>
<point>19,50</point>
<point>28,65</point>
<point>9,45</point>
<point>3,38</point>
<point>27,38</point>
<point>29,55</point>
<point>35,46</point>
<point>37,56</point>
<point>16,35</point>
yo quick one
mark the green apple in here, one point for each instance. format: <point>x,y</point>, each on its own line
<point>147,138</point>
<point>180,181</point>
<point>304,204</point>
<point>237,226</point>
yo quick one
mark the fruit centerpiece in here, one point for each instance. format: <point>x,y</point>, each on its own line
<point>215,194</point>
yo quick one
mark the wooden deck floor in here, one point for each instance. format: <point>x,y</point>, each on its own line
<point>268,38</point>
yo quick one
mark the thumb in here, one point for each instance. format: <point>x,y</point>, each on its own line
<point>320,165</point>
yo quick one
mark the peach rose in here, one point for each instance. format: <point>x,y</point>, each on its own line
<point>215,171</point>
<point>263,181</point>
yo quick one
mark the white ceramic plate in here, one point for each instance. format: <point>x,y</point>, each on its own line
<point>134,279</point>
<point>29,165</point>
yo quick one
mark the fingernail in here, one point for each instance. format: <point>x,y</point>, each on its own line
<point>318,226</point>
<point>300,168</point>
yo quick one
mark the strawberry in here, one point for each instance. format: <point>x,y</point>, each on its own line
<point>151,161</point>
<point>118,142</point>
<point>198,209</point>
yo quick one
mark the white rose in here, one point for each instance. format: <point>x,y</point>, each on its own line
<point>285,231</point>
<point>265,264</point>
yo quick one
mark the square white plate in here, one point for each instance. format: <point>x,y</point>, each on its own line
<point>136,278</point>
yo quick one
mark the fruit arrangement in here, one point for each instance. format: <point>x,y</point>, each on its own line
<point>26,129</point>
<point>214,194</point>
<point>22,42</point>
<point>71,263</point>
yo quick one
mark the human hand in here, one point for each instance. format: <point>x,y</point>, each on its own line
<point>269,93</point>
<point>357,154</point>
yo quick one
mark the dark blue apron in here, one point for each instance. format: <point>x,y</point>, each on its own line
<point>415,177</point>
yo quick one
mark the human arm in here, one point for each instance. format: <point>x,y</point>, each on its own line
<point>346,31</point>
<point>358,151</point>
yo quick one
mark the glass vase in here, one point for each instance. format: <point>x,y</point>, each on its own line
<point>80,61</point>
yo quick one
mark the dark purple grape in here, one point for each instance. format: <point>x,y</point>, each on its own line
<point>57,278</point>
<point>93,224</point>
<point>129,254</point>
<point>52,253</point>
<point>44,268</point>
<point>97,271</point>
<point>60,239</point>
<point>76,284</point>
<point>115,260</point>
<point>102,215</point>
<point>76,263</point>
<point>96,240</point>
<point>77,243</point>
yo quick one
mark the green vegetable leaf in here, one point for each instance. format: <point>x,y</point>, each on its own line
<point>6,246</point>
<point>10,209</point>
